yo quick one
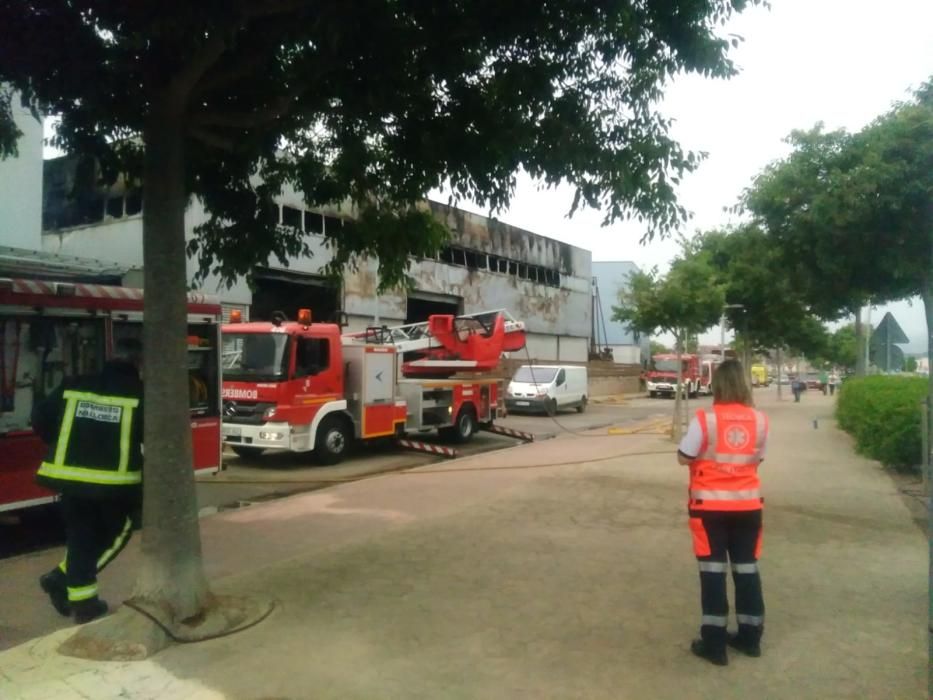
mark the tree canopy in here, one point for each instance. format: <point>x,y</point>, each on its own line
<point>370,105</point>
<point>838,195</point>
<point>684,302</point>
<point>749,267</point>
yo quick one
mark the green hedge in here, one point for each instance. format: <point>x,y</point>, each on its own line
<point>883,415</point>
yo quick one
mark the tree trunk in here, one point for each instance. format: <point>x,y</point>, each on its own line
<point>677,427</point>
<point>779,373</point>
<point>172,573</point>
<point>859,344</point>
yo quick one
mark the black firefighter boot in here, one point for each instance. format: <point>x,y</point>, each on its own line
<point>714,653</point>
<point>55,585</point>
<point>747,641</point>
<point>88,610</point>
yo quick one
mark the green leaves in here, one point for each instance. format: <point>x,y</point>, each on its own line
<point>751,270</point>
<point>371,110</point>
<point>684,302</point>
<point>838,196</point>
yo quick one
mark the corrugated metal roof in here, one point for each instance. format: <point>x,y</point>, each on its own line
<point>32,264</point>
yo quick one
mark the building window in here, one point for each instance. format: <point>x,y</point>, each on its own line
<point>292,217</point>
<point>479,260</point>
<point>314,222</point>
<point>332,225</point>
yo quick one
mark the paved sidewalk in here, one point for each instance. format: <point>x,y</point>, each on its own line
<point>485,579</point>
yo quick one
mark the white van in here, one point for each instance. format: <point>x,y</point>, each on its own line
<point>547,388</point>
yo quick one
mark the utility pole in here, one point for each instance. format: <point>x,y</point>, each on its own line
<point>722,335</point>
<point>867,341</point>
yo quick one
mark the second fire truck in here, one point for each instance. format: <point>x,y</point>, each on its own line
<point>308,387</point>
<point>54,330</point>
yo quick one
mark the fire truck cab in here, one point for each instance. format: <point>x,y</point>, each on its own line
<point>661,378</point>
<point>305,387</point>
<point>50,331</point>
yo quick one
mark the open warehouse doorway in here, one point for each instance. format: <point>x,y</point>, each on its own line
<point>423,304</point>
<point>287,291</point>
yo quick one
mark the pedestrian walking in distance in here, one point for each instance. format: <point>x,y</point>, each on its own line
<point>797,386</point>
<point>93,426</point>
<point>723,447</point>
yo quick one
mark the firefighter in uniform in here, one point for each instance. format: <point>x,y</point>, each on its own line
<point>723,447</point>
<point>93,426</point>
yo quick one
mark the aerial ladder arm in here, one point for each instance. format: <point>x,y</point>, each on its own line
<point>446,344</point>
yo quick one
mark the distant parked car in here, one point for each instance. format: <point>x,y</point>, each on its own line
<point>813,381</point>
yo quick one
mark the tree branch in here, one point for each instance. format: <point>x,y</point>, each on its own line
<point>209,138</point>
<point>243,120</point>
<point>181,85</point>
<point>268,8</point>
<point>222,78</point>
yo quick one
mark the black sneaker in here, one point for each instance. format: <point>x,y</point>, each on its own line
<point>88,610</point>
<point>745,645</point>
<point>706,651</point>
<point>53,584</point>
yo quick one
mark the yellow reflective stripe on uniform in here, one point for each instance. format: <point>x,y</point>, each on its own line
<point>64,434</point>
<point>102,399</point>
<point>89,476</point>
<point>59,469</point>
<point>79,593</point>
<point>126,431</point>
<point>117,545</point>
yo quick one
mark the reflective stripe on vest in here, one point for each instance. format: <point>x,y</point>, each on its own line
<point>725,474</point>
<point>724,495</point>
<point>711,439</point>
<point>96,407</point>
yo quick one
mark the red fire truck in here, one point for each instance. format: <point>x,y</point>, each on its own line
<point>51,330</point>
<point>661,379</point>
<point>303,386</point>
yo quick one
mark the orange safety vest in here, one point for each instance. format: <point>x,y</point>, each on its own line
<point>724,476</point>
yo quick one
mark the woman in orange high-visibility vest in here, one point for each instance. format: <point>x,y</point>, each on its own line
<point>723,447</point>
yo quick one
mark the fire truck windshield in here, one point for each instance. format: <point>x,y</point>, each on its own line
<point>665,365</point>
<point>255,356</point>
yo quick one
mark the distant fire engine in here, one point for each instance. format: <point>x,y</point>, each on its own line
<point>696,375</point>
<point>303,386</point>
<point>50,331</point>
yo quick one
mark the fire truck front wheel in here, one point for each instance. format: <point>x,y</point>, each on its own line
<point>463,429</point>
<point>332,441</point>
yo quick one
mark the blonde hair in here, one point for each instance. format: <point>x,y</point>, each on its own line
<point>729,385</point>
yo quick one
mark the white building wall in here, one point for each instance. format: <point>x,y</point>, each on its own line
<point>547,311</point>
<point>21,186</point>
<point>573,349</point>
<point>626,354</point>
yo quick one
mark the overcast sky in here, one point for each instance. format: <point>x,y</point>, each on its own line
<point>842,62</point>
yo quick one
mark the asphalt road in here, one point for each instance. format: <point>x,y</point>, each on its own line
<point>247,481</point>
